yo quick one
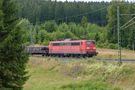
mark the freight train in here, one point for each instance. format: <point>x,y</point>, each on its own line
<point>84,48</point>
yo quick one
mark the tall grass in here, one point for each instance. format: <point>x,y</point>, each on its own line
<point>55,74</point>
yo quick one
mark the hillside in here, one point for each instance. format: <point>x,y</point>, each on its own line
<point>86,74</point>
<point>39,11</point>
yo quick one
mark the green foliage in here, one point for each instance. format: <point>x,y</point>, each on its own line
<point>50,23</point>
<point>1,16</point>
<point>50,31</point>
<point>49,26</point>
<point>25,26</point>
<point>89,85</point>
<point>44,10</point>
<point>127,37</point>
<point>13,58</point>
<point>107,45</point>
<point>84,21</point>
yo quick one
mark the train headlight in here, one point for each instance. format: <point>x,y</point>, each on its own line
<point>88,48</point>
<point>94,47</point>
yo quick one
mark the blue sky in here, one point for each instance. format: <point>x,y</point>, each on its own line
<point>93,0</point>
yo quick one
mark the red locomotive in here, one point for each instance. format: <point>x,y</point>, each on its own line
<point>73,47</point>
<point>66,48</point>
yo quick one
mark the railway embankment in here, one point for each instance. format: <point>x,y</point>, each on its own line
<point>54,74</point>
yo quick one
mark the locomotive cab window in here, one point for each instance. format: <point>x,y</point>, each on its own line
<point>67,44</point>
<point>75,44</point>
<point>90,42</point>
<point>43,48</point>
<point>56,44</point>
<point>93,42</point>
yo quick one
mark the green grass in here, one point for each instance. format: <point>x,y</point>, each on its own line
<point>89,85</point>
<point>55,74</point>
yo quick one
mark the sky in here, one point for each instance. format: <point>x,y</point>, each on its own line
<point>95,0</point>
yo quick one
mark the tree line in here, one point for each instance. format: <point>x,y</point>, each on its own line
<point>51,31</point>
<point>127,33</point>
<point>103,14</point>
<point>105,36</point>
<point>39,11</point>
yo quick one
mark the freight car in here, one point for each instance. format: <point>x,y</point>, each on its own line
<point>38,50</point>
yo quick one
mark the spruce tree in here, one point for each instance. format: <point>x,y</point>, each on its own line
<point>1,27</point>
<point>1,18</point>
<point>13,58</point>
<point>84,23</point>
<point>112,33</point>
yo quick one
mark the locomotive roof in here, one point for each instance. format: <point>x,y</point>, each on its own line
<point>71,41</point>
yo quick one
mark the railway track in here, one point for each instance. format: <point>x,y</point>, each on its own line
<point>117,60</point>
<point>81,58</point>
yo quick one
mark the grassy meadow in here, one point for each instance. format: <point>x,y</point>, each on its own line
<point>113,53</point>
<point>56,74</point>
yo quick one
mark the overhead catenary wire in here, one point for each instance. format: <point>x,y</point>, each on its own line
<point>127,23</point>
<point>87,13</point>
<point>127,14</point>
<point>78,15</point>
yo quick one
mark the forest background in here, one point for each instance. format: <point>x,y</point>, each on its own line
<point>46,20</point>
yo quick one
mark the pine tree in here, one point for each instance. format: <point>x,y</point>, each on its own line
<point>112,23</point>
<point>13,58</point>
<point>1,19</point>
<point>84,23</point>
<point>1,27</point>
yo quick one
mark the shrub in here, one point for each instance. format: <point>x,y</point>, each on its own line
<point>107,45</point>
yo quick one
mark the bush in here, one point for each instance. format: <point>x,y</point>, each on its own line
<point>107,45</point>
<point>112,46</point>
